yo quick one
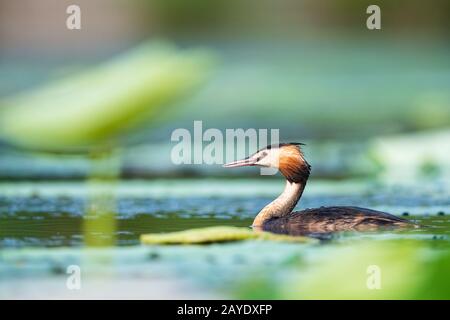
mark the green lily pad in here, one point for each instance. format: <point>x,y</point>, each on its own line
<point>216,234</point>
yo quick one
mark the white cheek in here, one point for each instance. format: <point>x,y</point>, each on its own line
<point>274,160</point>
<point>263,163</point>
<point>270,160</point>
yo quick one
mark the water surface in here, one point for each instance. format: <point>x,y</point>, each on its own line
<point>53,214</point>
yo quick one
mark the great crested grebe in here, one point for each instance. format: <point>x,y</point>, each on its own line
<point>278,217</point>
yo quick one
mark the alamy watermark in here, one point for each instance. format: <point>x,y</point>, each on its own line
<point>213,146</point>
<point>73,281</point>
<point>374,279</point>
<point>73,21</point>
<point>373,22</point>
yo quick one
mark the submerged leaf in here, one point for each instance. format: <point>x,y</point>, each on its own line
<point>215,234</point>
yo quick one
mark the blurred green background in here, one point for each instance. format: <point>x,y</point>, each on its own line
<point>84,112</point>
<point>310,68</point>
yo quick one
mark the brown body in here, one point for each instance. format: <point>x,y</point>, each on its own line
<point>333,219</point>
<point>278,216</point>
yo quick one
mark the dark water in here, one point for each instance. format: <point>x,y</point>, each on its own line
<point>54,221</point>
<point>59,221</point>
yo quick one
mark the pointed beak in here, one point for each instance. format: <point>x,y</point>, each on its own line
<point>240,163</point>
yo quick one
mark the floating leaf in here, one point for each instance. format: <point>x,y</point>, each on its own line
<point>215,234</point>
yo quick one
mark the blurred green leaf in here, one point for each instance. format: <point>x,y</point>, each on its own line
<point>95,106</point>
<point>407,269</point>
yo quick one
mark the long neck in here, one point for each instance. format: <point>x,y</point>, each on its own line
<point>281,206</point>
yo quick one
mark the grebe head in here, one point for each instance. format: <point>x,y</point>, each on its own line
<point>287,157</point>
